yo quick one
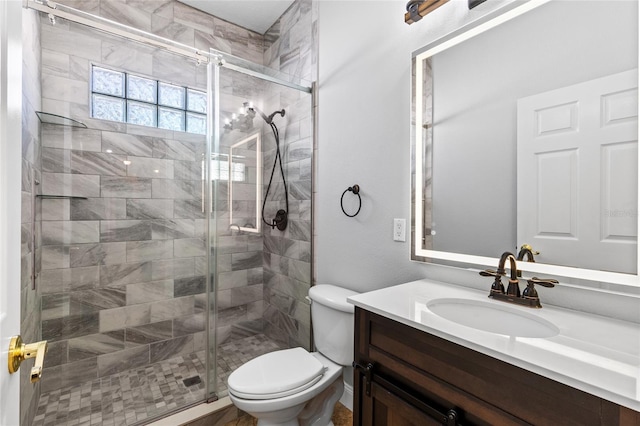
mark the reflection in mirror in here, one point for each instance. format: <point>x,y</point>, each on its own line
<point>527,133</point>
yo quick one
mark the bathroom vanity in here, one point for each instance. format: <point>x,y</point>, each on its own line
<point>415,367</point>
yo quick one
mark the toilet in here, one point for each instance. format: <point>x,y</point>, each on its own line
<point>292,387</point>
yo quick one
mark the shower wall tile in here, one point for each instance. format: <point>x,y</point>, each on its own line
<point>70,232</point>
<point>101,298</point>
<point>69,326</point>
<point>171,348</point>
<point>173,308</point>
<point>189,247</point>
<point>96,163</point>
<point>125,230</point>
<point>172,229</point>
<point>150,333</point>
<point>125,273</point>
<point>126,14</point>
<point>191,17</point>
<point>65,89</point>
<point>62,137</point>
<point>59,280</point>
<point>150,168</point>
<point>97,254</point>
<point>174,188</point>
<point>126,57</point>
<point>140,251</point>
<point>128,316</point>
<point>173,268</point>
<point>149,291</point>
<point>190,324</point>
<point>93,345</point>
<point>98,209</point>
<point>125,187</point>
<point>122,143</point>
<point>168,28</point>
<point>60,39</point>
<point>71,185</point>
<point>55,257</point>
<point>189,286</point>
<point>177,150</point>
<point>126,359</point>
<point>149,209</point>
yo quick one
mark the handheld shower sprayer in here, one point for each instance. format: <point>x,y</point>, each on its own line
<point>280,220</point>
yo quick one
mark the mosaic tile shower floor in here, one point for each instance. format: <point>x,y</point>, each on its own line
<point>138,395</point>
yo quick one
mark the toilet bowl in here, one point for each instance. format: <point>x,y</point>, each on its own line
<point>294,387</point>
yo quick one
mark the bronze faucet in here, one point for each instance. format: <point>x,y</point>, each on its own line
<point>529,296</point>
<point>526,251</point>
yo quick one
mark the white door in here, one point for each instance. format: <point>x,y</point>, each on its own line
<point>10,164</point>
<point>578,173</point>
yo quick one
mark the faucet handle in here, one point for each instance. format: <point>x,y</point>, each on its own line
<point>490,273</point>
<point>544,282</point>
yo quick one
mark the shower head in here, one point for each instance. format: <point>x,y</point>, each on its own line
<point>251,108</point>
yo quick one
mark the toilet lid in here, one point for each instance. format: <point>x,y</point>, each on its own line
<point>276,374</point>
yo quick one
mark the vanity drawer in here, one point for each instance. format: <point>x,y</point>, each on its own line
<point>483,389</point>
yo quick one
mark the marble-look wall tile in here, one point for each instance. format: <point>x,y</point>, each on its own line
<point>125,230</point>
<point>149,291</point>
<point>70,326</point>
<point>173,268</point>
<point>149,209</point>
<point>190,324</point>
<point>95,344</point>
<point>140,251</point>
<point>177,150</point>
<point>188,209</point>
<point>97,254</point>
<point>58,280</point>
<point>70,232</point>
<point>125,187</point>
<point>126,144</point>
<point>123,360</point>
<point>149,333</point>
<point>128,316</point>
<point>191,17</point>
<point>69,184</point>
<point>65,89</point>
<point>189,247</point>
<point>157,168</point>
<point>173,308</point>
<point>126,273</point>
<point>174,188</point>
<point>171,348</point>
<point>72,138</point>
<point>97,163</point>
<point>126,14</point>
<point>172,229</point>
<point>98,209</point>
<point>189,286</point>
<point>58,39</point>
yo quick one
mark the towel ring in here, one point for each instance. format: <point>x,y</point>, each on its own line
<point>356,190</point>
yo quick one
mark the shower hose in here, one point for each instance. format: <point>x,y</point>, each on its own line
<point>280,221</point>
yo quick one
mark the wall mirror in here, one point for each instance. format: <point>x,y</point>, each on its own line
<point>525,131</point>
<point>244,174</point>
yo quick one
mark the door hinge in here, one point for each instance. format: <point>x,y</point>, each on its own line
<point>367,371</point>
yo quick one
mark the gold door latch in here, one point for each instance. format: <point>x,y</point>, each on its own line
<point>18,352</point>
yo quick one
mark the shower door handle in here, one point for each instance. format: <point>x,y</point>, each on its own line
<point>18,352</point>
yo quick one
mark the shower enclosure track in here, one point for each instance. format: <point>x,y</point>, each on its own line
<point>115,28</point>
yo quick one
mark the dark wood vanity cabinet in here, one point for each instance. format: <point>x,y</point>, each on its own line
<point>408,377</point>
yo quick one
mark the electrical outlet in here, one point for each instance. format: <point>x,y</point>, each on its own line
<point>399,229</point>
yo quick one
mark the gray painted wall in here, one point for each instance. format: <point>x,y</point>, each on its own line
<point>363,135</point>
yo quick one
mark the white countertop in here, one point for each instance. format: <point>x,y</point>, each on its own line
<point>595,354</point>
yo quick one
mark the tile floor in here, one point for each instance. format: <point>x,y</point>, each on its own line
<point>138,395</point>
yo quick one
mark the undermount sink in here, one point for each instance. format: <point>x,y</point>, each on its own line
<point>492,317</point>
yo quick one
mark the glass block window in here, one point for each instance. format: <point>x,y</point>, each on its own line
<point>119,96</point>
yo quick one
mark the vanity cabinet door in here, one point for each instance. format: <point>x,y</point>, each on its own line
<point>416,367</point>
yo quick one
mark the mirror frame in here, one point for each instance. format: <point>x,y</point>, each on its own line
<point>479,26</point>
<point>258,141</point>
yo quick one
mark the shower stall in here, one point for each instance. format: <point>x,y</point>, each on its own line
<point>148,166</point>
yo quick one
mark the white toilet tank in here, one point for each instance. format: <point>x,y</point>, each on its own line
<point>332,319</point>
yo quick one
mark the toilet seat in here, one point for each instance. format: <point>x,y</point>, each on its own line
<point>276,375</point>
